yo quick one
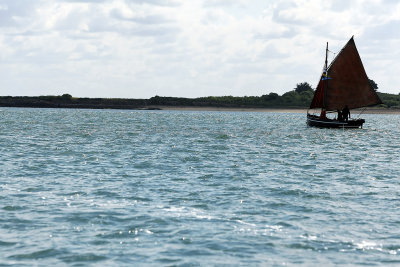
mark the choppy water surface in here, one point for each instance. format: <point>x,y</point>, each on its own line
<point>106,187</point>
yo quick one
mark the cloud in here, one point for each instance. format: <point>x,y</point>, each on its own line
<point>223,3</point>
<point>151,2</point>
<point>171,3</point>
<point>386,31</point>
<point>271,52</point>
<point>137,48</point>
<point>85,1</point>
<point>13,12</point>
<point>140,19</point>
<point>286,12</point>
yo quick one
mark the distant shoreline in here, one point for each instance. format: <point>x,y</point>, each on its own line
<point>275,110</point>
<point>207,108</point>
<point>166,103</point>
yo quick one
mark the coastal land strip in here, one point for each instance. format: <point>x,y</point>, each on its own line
<point>67,101</point>
<point>275,110</point>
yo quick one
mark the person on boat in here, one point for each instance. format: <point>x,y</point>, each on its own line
<point>323,114</point>
<point>346,113</point>
<point>339,115</point>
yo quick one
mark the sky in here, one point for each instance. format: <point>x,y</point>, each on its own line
<point>188,48</point>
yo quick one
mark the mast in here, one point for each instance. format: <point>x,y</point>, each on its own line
<point>326,76</point>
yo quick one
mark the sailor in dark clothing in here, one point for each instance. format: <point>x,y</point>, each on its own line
<point>346,113</point>
<point>339,115</point>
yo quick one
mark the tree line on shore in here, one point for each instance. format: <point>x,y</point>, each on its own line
<point>299,97</point>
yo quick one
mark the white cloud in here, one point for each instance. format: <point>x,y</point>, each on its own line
<point>137,49</point>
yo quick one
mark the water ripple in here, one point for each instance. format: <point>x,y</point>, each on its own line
<point>116,188</point>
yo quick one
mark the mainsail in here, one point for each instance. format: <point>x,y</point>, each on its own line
<point>345,83</point>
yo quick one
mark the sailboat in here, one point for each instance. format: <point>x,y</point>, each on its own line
<point>344,85</point>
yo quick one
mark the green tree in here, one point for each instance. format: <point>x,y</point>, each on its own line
<point>66,98</point>
<point>303,87</point>
<point>373,84</point>
<point>270,96</point>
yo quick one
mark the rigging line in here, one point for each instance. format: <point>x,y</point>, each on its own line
<point>334,53</point>
<point>361,112</point>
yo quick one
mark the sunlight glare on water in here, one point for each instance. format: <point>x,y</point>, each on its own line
<point>118,187</point>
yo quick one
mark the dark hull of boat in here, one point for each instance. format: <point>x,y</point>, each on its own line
<point>316,121</point>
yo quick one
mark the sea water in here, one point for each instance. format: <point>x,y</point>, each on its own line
<point>188,188</point>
